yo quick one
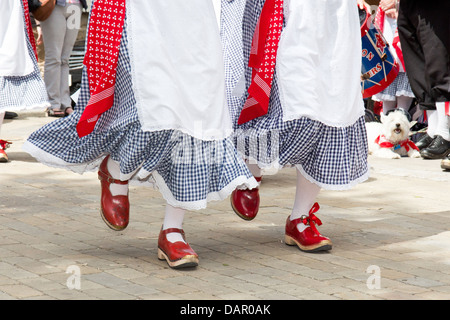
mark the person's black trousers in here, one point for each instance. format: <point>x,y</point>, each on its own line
<point>424,30</point>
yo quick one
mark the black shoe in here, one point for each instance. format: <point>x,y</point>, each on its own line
<point>439,148</point>
<point>10,115</point>
<point>424,141</point>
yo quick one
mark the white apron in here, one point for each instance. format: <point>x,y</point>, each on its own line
<point>15,59</point>
<point>177,67</point>
<point>319,62</point>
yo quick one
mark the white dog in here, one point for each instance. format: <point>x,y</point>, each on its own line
<point>390,138</point>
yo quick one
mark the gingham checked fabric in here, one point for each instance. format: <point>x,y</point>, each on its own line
<point>104,34</point>
<point>263,59</point>
<point>231,35</point>
<point>399,87</point>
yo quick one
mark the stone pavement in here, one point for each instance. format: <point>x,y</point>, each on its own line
<point>391,238</point>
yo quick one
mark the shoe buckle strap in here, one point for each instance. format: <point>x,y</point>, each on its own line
<point>173,230</point>
<point>109,179</point>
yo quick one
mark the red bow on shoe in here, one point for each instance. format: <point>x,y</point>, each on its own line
<point>4,144</point>
<point>312,220</point>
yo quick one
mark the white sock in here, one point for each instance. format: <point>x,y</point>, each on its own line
<point>443,126</point>
<point>114,171</point>
<point>174,219</point>
<point>388,106</point>
<point>254,169</point>
<point>2,115</point>
<point>404,102</point>
<point>433,120</point>
<point>305,196</point>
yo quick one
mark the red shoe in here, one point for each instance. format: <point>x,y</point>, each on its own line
<point>245,203</point>
<point>310,240</point>
<point>3,145</point>
<point>177,254</point>
<point>115,210</point>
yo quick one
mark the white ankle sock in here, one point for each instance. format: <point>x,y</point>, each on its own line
<point>404,102</point>
<point>388,106</point>
<point>443,126</point>
<point>174,219</point>
<point>2,115</point>
<point>254,169</point>
<point>305,196</point>
<point>114,171</point>
<point>433,120</point>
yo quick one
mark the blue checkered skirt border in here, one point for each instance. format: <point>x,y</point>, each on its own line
<point>399,87</point>
<point>189,172</point>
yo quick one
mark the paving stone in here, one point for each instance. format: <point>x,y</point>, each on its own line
<point>50,221</point>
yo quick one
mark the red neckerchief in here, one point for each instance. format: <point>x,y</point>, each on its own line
<point>262,60</point>
<point>447,108</point>
<point>26,13</point>
<point>379,20</point>
<point>383,142</point>
<point>104,34</point>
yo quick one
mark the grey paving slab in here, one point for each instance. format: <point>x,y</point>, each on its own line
<point>396,226</point>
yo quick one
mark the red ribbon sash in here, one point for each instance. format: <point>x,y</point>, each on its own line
<point>26,12</point>
<point>383,142</point>
<point>104,34</point>
<point>262,60</point>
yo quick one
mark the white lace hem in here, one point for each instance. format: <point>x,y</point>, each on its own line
<point>143,178</point>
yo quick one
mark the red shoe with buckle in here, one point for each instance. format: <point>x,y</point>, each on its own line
<point>3,145</point>
<point>177,254</point>
<point>245,203</point>
<point>309,240</point>
<point>115,210</point>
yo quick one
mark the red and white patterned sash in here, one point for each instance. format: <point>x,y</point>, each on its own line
<point>262,60</point>
<point>104,34</point>
<point>30,33</point>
